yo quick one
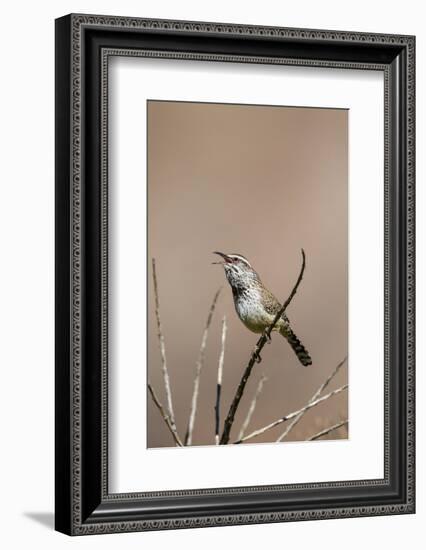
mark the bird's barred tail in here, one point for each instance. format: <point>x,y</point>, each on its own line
<point>298,348</point>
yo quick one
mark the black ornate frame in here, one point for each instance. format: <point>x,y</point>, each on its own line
<point>83,46</point>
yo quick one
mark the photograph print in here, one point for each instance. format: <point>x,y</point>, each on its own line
<point>247,274</point>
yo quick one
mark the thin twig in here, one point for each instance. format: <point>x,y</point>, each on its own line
<point>200,362</point>
<point>219,381</point>
<point>165,416</point>
<point>255,357</point>
<point>315,396</point>
<point>328,430</point>
<point>166,378</point>
<point>291,415</point>
<point>252,407</point>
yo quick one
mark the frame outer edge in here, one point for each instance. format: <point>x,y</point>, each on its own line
<point>63,496</point>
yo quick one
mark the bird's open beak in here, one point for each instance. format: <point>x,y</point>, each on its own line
<point>224,256</point>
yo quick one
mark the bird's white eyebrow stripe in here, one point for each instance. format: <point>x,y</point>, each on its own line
<point>239,257</point>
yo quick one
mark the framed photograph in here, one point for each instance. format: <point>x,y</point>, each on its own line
<point>234,274</point>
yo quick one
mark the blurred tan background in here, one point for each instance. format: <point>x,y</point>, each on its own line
<point>263,182</point>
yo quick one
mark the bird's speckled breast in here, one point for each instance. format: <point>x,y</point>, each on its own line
<point>250,311</point>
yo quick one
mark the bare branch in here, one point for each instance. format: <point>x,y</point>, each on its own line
<point>291,415</point>
<point>219,381</point>
<point>200,362</point>
<point>165,417</point>
<point>166,378</point>
<point>252,407</point>
<point>313,398</point>
<point>328,430</point>
<point>255,357</point>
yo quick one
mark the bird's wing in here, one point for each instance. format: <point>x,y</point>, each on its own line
<point>272,305</point>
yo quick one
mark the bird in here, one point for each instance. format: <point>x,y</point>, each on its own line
<point>255,305</point>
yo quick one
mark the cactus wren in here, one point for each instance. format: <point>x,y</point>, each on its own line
<point>255,305</point>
